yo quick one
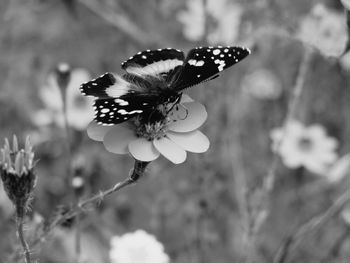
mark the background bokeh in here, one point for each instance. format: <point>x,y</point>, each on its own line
<point>197,209</point>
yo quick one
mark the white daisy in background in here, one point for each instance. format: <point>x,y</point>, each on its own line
<point>262,84</point>
<point>324,29</point>
<point>137,247</point>
<point>225,14</point>
<point>301,146</point>
<point>193,20</point>
<point>79,109</point>
<point>171,135</point>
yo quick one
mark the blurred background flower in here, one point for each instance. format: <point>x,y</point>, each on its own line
<point>193,20</point>
<point>325,30</point>
<point>137,247</point>
<point>262,84</point>
<point>305,146</point>
<point>221,18</point>
<point>79,108</point>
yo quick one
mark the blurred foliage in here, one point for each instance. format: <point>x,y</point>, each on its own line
<point>194,208</point>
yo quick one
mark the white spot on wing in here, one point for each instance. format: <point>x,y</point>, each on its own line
<point>155,68</point>
<point>119,88</point>
<point>121,102</point>
<point>105,110</point>
<point>216,52</point>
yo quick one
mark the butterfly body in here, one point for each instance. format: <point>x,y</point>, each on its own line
<point>154,79</point>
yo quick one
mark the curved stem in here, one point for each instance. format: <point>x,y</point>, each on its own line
<point>138,171</point>
<point>292,107</point>
<point>24,244</point>
<point>315,223</point>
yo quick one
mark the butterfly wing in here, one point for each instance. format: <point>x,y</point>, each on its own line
<point>106,86</point>
<point>118,99</point>
<point>204,63</point>
<point>162,62</point>
<point>117,110</point>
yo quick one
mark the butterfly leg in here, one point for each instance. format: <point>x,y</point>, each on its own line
<point>176,103</point>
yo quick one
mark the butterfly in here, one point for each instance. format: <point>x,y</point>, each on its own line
<point>156,77</point>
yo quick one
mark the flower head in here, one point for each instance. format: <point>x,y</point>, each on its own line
<point>170,132</point>
<point>65,81</point>
<point>225,15</point>
<point>325,30</point>
<point>137,247</point>
<point>262,84</point>
<point>301,146</point>
<point>17,173</point>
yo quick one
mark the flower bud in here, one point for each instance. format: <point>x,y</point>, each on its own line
<point>17,173</point>
<point>63,74</point>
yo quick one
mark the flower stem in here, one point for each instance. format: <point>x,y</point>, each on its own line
<point>292,107</point>
<point>137,172</point>
<point>315,223</point>
<point>20,234</point>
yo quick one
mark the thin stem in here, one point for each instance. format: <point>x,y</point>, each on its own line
<point>315,223</point>
<point>24,244</point>
<point>292,107</point>
<point>69,157</point>
<point>138,171</point>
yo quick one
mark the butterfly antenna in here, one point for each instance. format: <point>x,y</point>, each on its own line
<point>186,110</point>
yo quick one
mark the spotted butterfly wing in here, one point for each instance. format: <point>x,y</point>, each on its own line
<point>121,98</point>
<point>205,63</point>
<point>117,110</point>
<point>163,62</point>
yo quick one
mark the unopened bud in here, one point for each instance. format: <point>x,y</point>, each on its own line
<point>63,74</point>
<point>17,174</point>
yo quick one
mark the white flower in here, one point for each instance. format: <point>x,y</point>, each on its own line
<point>309,147</point>
<point>325,30</point>
<point>171,137</point>
<point>193,20</point>
<point>79,108</point>
<point>262,84</point>
<point>225,15</point>
<point>137,247</point>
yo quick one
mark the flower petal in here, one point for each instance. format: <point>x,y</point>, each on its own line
<point>170,150</point>
<point>185,98</point>
<point>188,117</point>
<point>194,141</point>
<point>143,150</point>
<point>96,131</point>
<point>117,139</point>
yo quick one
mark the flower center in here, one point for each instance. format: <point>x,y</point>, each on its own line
<point>152,125</point>
<point>305,144</point>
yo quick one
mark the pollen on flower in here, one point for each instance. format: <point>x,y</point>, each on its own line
<point>152,126</point>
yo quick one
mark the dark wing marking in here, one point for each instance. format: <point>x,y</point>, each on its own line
<point>204,63</point>
<point>106,86</point>
<point>154,62</point>
<point>117,110</point>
